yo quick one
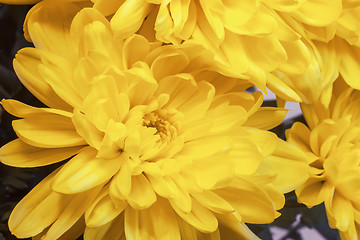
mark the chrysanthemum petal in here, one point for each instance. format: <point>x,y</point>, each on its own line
<point>255,206</point>
<point>84,171</point>
<point>135,49</point>
<point>142,194</point>
<point>36,210</point>
<point>19,154</point>
<point>340,212</point>
<point>86,129</point>
<point>30,58</point>
<point>57,73</point>
<point>71,214</point>
<point>22,110</point>
<point>97,39</point>
<point>120,186</point>
<point>48,130</point>
<point>309,12</point>
<point>168,64</point>
<point>133,12</point>
<point>266,118</point>
<point>285,5</point>
<point>111,230</point>
<point>161,214</point>
<point>187,231</point>
<point>349,66</point>
<point>107,7</point>
<point>314,191</point>
<point>231,227</point>
<point>209,236</point>
<point>213,201</point>
<point>200,217</point>
<point>85,17</point>
<point>49,27</point>
<point>103,210</point>
<point>221,174</point>
<point>290,166</point>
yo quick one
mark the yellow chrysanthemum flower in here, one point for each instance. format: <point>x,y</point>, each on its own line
<point>331,143</point>
<point>155,139</point>
<point>240,33</point>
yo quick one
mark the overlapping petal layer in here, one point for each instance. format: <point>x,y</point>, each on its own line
<point>156,133</point>
<point>331,146</point>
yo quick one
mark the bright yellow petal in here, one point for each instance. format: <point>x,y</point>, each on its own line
<point>19,154</point>
<point>102,210</point>
<point>37,210</point>
<point>266,118</point>
<point>30,58</point>
<point>111,230</point>
<point>84,171</point>
<point>255,206</point>
<point>200,217</point>
<point>133,12</point>
<point>71,214</point>
<point>49,27</point>
<point>142,194</point>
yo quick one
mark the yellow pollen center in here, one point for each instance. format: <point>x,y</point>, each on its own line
<point>164,128</point>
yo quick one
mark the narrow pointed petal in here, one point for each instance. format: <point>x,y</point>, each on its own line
<point>19,154</point>
<point>48,131</point>
<point>37,210</point>
<point>22,110</point>
<point>84,171</point>
<point>71,214</point>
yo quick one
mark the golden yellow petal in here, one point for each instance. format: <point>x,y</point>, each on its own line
<point>103,210</point>
<point>19,154</point>
<point>71,214</point>
<point>107,7</point>
<point>232,229</point>
<point>37,210</point>
<point>84,171</point>
<point>169,63</point>
<point>213,201</point>
<point>266,118</point>
<point>314,192</point>
<point>255,206</point>
<point>22,110</point>
<point>120,185</point>
<point>290,166</point>
<point>136,48</point>
<point>85,17</point>
<point>200,217</point>
<point>48,130</point>
<point>340,212</point>
<point>349,66</point>
<point>319,13</point>
<point>111,230</point>
<point>30,58</point>
<point>161,214</point>
<point>49,27</point>
<point>142,194</point>
<point>133,12</point>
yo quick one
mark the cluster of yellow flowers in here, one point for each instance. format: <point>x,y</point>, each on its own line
<point>147,102</point>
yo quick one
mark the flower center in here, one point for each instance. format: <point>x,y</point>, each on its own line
<point>164,128</point>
